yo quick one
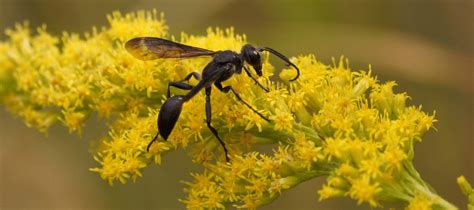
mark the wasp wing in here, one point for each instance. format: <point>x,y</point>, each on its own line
<point>150,48</point>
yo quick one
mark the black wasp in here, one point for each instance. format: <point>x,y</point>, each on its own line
<point>223,65</point>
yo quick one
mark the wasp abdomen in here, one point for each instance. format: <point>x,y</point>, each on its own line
<point>169,115</point>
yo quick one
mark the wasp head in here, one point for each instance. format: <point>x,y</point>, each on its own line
<point>251,55</point>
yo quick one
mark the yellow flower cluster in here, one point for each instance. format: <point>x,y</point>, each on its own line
<point>331,122</point>
<point>348,127</point>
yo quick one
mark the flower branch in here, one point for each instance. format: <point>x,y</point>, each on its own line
<point>332,122</point>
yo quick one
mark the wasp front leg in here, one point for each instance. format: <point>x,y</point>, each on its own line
<point>255,80</point>
<point>226,89</point>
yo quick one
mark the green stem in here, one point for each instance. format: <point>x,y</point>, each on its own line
<point>438,200</point>
<point>415,182</point>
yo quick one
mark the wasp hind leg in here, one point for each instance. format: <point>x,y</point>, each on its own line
<point>152,141</point>
<point>208,121</point>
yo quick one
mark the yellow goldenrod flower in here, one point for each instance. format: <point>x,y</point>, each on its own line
<point>420,202</point>
<point>282,120</point>
<point>371,167</point>
<point>363,190</point>
<point>329,192</point>
<point>331,122</point>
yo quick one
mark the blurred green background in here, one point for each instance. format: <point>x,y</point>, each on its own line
<point>426,46</point>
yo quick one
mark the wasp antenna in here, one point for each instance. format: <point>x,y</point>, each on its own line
<point>284,58</point>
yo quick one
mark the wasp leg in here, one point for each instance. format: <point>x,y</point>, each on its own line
<point>152,141</point>
<point>196,76</point>
<point>226,89</point>
<point>208,121</point>
<point>168,116</point>
<point>181,84</point>
<point>255,80</point>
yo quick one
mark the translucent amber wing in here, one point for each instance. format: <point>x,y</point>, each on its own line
<point>150,48</point>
